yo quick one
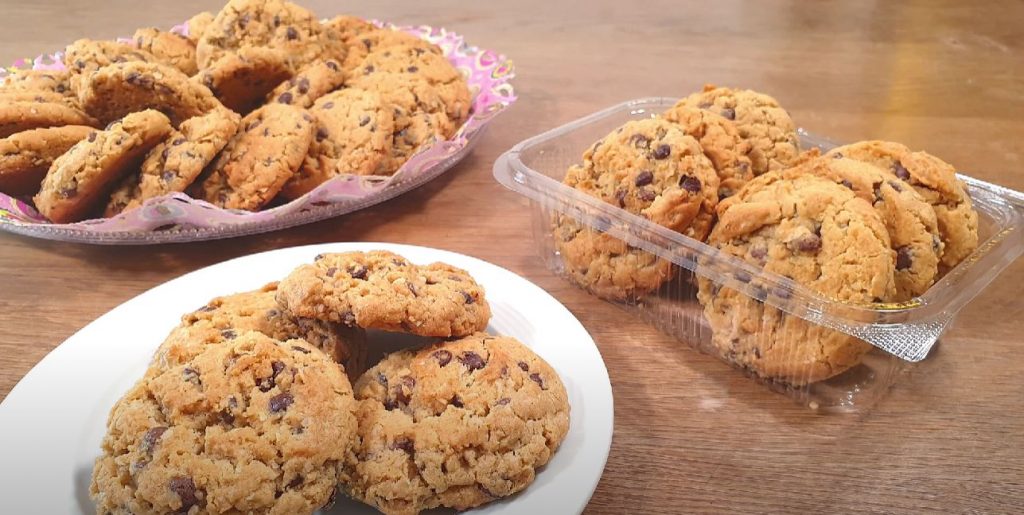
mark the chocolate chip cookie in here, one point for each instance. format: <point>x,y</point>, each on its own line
<point>121,88</point>
<point>273,24</point>
<point>79,180</point>
<point>175,163</point>
<point>936,181</point>
<point>362,41</point>
<point>816,233</point>
<point>54,81</point>
<point>760,120</point>
<point>254,425</point>
<point>259,159</point>
<point>170,48</point>
<point>224,318</point>
<point>349,27</point>
<point>456,424</point>
<point>311,82</point>
<point>908,218</point>
<point>382,290</point>
<point>434,68</point>
<point>418,111</point>
<point>242,79</point>
<point>653,169</point>
<point>606,266</point>
<point>20,116</point>
<point>721,142</point>
<point>85,56</point>
<point>26,156</point>
<point>354,130</point>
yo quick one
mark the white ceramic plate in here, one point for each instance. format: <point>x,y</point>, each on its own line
<point>52,422</point>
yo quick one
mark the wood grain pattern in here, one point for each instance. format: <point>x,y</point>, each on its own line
<point>691,435</point>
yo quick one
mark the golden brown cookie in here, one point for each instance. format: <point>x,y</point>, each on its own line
<point>85,56</point>
<point>721,142</point>
<point>815,233</point>
<point>53,81</point>
<point>26,156</point>
<point>354,130</point>
<point>382,290</point>
<point>418,112</point>
<point>908,218</point>
<point>224,318</point>
<point>760,119</point>
<point>936,181</point>
<point>254,425</point>
<point>362,41</point>
<point>311,82</point>
<point>79,180</point>
<point>272,24</point>
<point>349,27</point>
<point>122,88</point>
<point>432,67</point>
<point>175,163</point>
<point>267,151</point>
<point>241,80</point>
<point>21,116</point>
<point>173,49</point>
<point>456,424</point>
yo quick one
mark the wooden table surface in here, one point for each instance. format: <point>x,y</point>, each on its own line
<point>691,435</point>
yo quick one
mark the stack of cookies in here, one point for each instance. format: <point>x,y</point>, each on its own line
<point>870,222</point>
<point>248,407</point>
<point>260,103</point>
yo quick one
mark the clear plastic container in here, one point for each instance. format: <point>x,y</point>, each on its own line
<point>901,334</point>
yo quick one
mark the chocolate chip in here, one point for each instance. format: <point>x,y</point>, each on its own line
<point>662,151</point>
<point>936,242</point>
<point>321,134</point>
<point>244,20</point>
<point>456,401</point>
<point>364,120</point>
<point>277,20</point>
<point>303,86</point>
<point>690,183</point>
<point>382,379</point>
<point>327,105</point>
<point>68,191</point>
<point>442,356</point>
<point>704,105</point>
<point>368,70</point>
<point>295,482</point>
<point>277,367</point>
<point>255,123</point>
<point>904,258</point>
<point>837,155</point>
<point>227,417</point>
<point>729,113</point>
<point>535,377</point>
<point>412,288</point>
<point>185,489</point>
<point>647,195</point>
<point>472,360</point>
<point>190,375</point>
<point>332,65</point>
<point>524,366</point>
<point>280,402</point>
<point>620,195</point>
<point>896,186</point>
<point>644,178</point>
<point>807,243</point>
<point>640,141</point>
<point>900,171</point>
<point>876,188</point>
<point>348,318</point>
<point>151,438</point>
<point>92,136</point>
<point>285,98</point>
<point>759,253</point>
<point>403,391</point>
<point>846,183</point>
<point>358,272</point>
<point>404,444</point>
<point>469,298</point>
<point>207,308</point>
<point>331,271</point>
<point>292,33</point>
